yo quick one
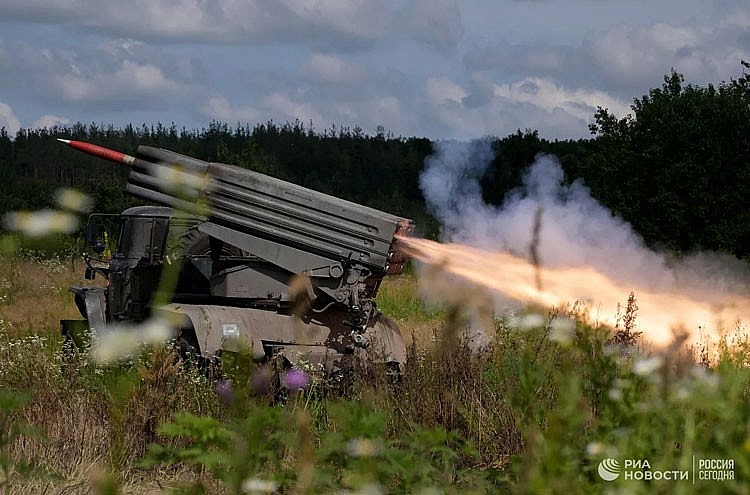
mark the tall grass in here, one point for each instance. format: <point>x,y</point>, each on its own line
<point>535,411</point>
<point>34,292</point>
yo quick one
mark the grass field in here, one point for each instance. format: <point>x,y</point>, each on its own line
<point>536,411</point>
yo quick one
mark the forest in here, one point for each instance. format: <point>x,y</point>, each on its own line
<point>677,168</point>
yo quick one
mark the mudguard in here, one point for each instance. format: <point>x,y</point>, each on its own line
<point>320,338</point>
<point>92,304</point>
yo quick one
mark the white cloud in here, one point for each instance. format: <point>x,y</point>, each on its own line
<point>434,21</point>
<point>441,89</point>
<point>275,106</point>
<point>287,108</point>
<point>395,63</point>
<point>388,109</point>
<point>358,18</point>
<point>531,103</point>
<point>48,121</point>
<point>130,81</point>
<point>367,113</point>
<point>329,69</point>
<point>144,77</point>
<point>8,120</point>
<point>671,38</point>
<point>443,109</point>
<point>108,75</point>
<point>633,56</point>
<point>234,21</point>
<point>545,94</point>
<point>219,108</point>
<point>627,59</point>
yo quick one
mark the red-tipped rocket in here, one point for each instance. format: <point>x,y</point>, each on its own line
<point>106,153</point>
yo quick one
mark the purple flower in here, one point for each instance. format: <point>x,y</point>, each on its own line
<point>224,391</point>
<point>296,379</point>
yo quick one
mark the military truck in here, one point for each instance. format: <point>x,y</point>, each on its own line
<point>233,257</point>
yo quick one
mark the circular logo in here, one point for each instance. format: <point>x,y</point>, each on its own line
<point>609,469</point>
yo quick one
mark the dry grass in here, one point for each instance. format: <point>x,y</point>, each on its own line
<point>90,421</point>
<point>34,293</point>
<point>93,421</point>
<point>93,480</point>
<point>96,423</point>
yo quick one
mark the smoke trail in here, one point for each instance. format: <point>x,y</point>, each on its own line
<point>575,230</point>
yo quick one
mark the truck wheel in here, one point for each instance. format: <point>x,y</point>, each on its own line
<point>188,351</point>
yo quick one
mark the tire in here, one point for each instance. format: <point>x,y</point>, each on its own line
<point>189,353</point>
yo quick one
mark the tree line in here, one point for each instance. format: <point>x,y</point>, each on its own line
<point>677,168</point>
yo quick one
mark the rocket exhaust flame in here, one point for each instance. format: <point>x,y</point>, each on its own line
<point>660,313</point>
<point>581,252</point>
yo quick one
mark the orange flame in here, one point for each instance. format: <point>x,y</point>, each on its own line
<point>659,313</point>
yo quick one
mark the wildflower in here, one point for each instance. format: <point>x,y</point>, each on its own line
<point>561,330</point>
<point>42,222</point>
<point>224,391</point>
<point>682,393</point>
<point>615,394</point>
<point>179,180</point>
<point>362,447</point>
<point>296,379</point>
<point>256,485</point>
<point>595,449</point>
<point>73,200</point>
<point>120,341</point>
<point>646,366</point>
<point>708,380</point>
<point>528,321</point>
<point>622,383</point>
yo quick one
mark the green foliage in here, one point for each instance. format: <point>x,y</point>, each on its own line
<point>228,454</point>
<point>352,453</point>
<point>207,449</point>
<point>678,169</point>
<point>612,402</point>
<point>400,299</point>
<point>535,412</point>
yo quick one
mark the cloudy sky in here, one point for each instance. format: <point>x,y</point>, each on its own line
<point>434,68</point>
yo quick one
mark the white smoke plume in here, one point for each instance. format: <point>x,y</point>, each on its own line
<point>576,231</point>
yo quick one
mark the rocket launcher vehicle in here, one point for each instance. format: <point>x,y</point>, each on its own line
<point>261,238</point>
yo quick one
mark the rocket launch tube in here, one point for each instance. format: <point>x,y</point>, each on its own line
<point>249,202</point>
<point>190,164</point>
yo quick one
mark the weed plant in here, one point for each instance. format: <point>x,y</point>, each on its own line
<point>535,411</point>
